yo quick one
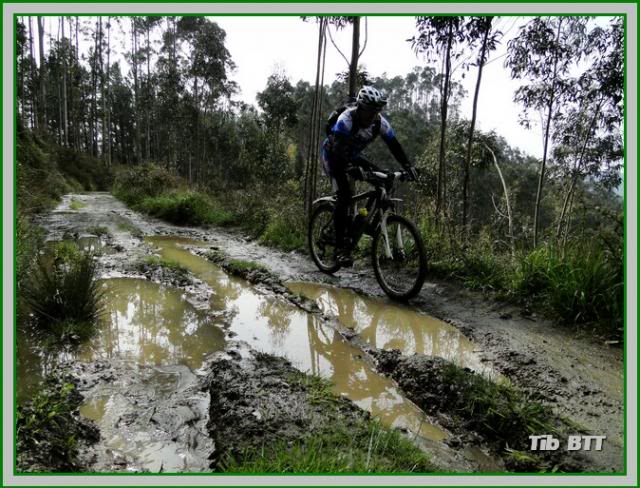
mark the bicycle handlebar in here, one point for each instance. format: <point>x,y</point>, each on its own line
<point>385,176</point>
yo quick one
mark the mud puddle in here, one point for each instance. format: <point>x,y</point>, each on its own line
<point>271,324</point>
<point>137,378</point>
<point>388,325</point>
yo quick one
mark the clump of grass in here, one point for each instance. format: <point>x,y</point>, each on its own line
<point>186,208</point>
<point>158,262</point>
<point>284,234</point>
<point>64,298</point>
<point>48,431</point>
<point>98,230</point>
<point>241,267</point>
<point>76,204</point>
<point>585,286</point>
<point>126,226</point>
<point>496,410</point>
<point>366,447</point>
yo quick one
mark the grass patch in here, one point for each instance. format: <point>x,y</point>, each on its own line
<point>366,448</point>
<point>495,410</point>
<point>98,230</point>
<point>47,430</point>
<point>241,267</point>
<point>63,297</point>
<point>76,204</point>
<point>186,208</point>
<point>158,262</point>
<point>283,234</point>
<point>126,226</point>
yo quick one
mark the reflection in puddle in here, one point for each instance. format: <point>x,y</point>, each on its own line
<point>151,324</point>
<point>387,325</point>
<point>143,323</point>
<point>273,325</point>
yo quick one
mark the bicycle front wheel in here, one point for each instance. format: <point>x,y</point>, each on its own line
<point>398,258</point>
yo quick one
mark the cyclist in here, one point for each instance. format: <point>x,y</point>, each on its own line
<point>354,130</point>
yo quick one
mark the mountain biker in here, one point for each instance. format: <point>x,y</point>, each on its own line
<point>355,129</point>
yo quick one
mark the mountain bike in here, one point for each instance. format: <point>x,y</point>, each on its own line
<point>397,252</point>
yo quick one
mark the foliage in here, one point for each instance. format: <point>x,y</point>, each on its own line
<point>133,184</point>
<point>48,432</point>
<point>64,298</point>
<point>495,409</point>
<point>158,262</point>
<point>186,208</point>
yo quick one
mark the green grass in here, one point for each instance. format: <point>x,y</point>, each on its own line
<point>496,410</point>
<point>63,296</point>
<point>284,234</point>
<point>241,267</point>
<point>364,448</point>
<point>76,204</point>
<point>156,261</point>
<point>346,445</point>
<point>186,208</point>
<point>47,429</point>
<point>581,287</point>
<point>126,226</point>
<point>98,230</point>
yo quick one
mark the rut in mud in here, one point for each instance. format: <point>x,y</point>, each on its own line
<point>145,379</point>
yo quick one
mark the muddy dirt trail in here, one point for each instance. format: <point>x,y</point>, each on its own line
<point>144,383</point>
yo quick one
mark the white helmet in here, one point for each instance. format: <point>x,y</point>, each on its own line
<point>371,97</point>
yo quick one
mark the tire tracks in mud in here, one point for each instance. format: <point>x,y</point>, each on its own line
<point>578,378</point>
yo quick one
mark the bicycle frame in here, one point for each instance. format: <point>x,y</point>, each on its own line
<point>379,206</point>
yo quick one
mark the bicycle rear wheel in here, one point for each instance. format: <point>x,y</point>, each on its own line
<point>399,260</point>
<point>322,239</point>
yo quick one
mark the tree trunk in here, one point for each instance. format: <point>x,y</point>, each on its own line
<point>578,166</point>
<point>65,113</point>
<point>32,63</point>
<point>444,103</point>
<point>136,91</point>
<point>108,105</point>
<point>506,197</point>
<point>355,48</point>
<point>42,125</point>
<point>546,145</point>
<point>94,95</point>
<point>467,162</point>
<point>148,97</point>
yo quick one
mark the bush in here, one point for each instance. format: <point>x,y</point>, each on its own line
<point>134,184</point>
<point>286,226</point>
<point>187,208</point>
<point>48,431</point>
<point>64,297</point>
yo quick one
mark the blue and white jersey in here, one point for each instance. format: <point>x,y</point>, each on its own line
<point>359,140</point>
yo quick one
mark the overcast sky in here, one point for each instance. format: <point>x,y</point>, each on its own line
<point>260,45</point>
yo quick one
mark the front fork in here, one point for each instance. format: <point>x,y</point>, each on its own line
<point>385,236</point>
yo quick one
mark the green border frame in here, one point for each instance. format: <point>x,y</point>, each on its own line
<point>243,14</point>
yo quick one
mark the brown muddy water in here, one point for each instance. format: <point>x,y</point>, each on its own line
<point>144,323</point>
<point>384,324</point>
<point>273,325</point>
<point>153,328</point>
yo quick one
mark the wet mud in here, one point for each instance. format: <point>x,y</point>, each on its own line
<point>334,332</point>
